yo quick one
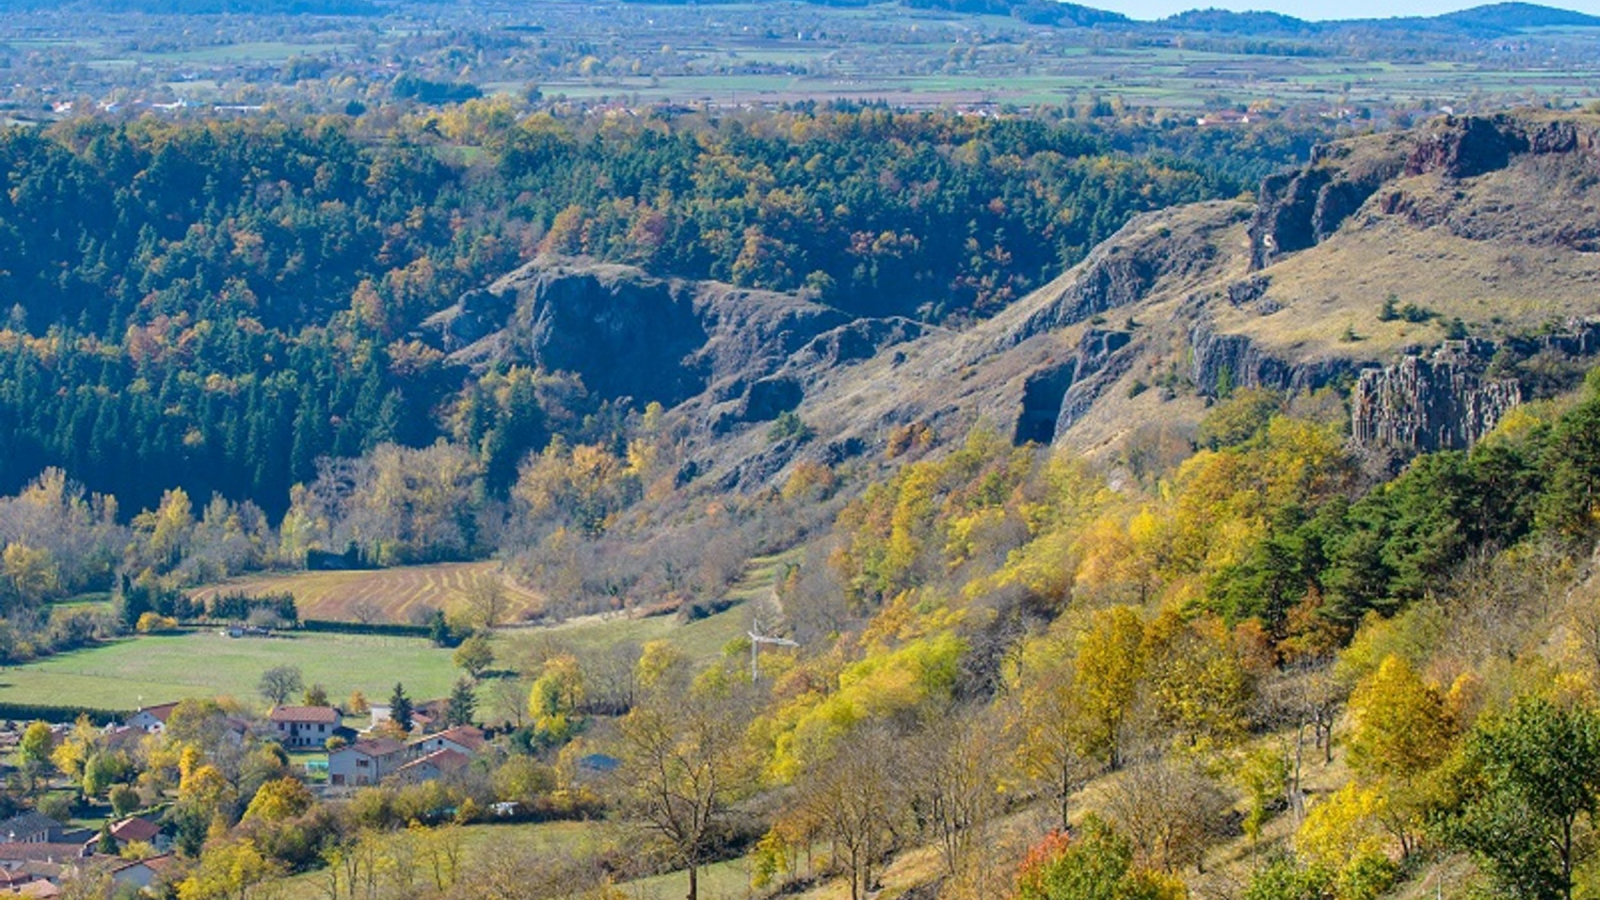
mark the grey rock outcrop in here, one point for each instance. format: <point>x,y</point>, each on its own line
<point>628,334</point>
<point>1297,210</point>
<point>1222,362</point>
<point>1438,401</point>
<point>1054,397</point>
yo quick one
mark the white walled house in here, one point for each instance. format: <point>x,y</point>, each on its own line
<point>152,719</point>
<point>304,727</point>
<point>365,762</point>
<point>464,739</point>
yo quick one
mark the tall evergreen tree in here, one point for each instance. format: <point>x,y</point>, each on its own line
<point>400,708</point>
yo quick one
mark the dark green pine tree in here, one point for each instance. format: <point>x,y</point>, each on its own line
<point>312,436</point>
<point>400,709</point>
<point>462,705</point>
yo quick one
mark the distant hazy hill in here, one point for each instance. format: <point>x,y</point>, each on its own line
<point>1225,21</point>
<point>1041,12</point>
<point>1498,18</point>
<point>1512,16</point>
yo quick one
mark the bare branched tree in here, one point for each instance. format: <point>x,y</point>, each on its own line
<point>858,799</point>
<point>685,762</point>
<point>1169,810</point>
<point>365,611</point>
<point>956,791</point>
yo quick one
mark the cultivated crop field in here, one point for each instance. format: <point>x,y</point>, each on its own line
<point>160,668</point>
<point>382,595</point>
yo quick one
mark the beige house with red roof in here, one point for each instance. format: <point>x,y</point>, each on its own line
<point>365,762</point>
<point>433,766</point>
<point>138,828</point>
<point>303,727</point>
<point>465,739</point>
<point>140,874</point>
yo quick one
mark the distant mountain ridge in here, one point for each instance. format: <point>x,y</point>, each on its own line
<point>1521,15</point>
<point>1489,20</point>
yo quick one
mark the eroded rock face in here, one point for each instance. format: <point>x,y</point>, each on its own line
<point>1297,210</point>
<point>1054,397</point>
<point>855,341</point>
<point>1468,146</point>
<point>1103,358</point>
<point>630,337</point>
<point>628,334</point>
<point>1441,401</point>
<point>1223,362</point>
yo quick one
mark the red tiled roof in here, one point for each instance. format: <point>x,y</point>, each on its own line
<point>161,863</point>
<point>468,736</point>
<point>20,851</point>
<point>162,711</point>
<point>445,760</point>
<point>374,747</point>
<point>154,863</point>
<point>316,714</point>
<point>135,828</point>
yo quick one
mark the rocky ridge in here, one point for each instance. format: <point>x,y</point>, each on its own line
<point>1349,274</point>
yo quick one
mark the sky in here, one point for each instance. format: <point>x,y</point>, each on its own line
<point>1342,9</point>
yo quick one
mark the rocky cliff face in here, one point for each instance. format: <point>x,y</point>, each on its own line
<point>628,334</point>
<point>1125,270</point>
<point>1054,397</point>
<point>1298,210</point>
<point>1448,397</point>
<point>1222,362</point>
<point>735,355</point>
<point>1437,401</point>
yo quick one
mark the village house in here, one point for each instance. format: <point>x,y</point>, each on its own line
<point>141,830</point>
<point>432,767</point>
<point>36,828</point>
<point>36,887</point>
<point>1224,117</point>
<point>140,874</point>
<point>14,855</point>
<point>464,739</point>
<point>152,719</point>
<point>365,762</point>
<point>424,715</point>
<point>303,727</point>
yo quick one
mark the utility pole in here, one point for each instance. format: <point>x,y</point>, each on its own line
<point>756,640</point>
